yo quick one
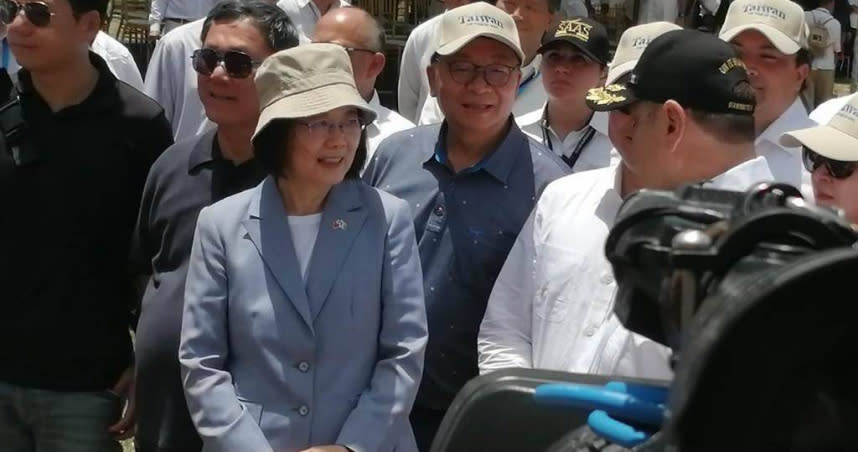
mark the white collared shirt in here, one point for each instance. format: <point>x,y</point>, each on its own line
<point>304,15</point>
<point>829,108</point>
<point>119,60</point>
<point>785,162</point>
<point>413,88</point>
<point>531,96</point>
<point>172,82</point>
<point>552,303</point>
<point>387,122</point>
<point>177,9</point>
<point>597,153</point>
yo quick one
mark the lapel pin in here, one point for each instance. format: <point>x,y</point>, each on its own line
<point>340,224</point>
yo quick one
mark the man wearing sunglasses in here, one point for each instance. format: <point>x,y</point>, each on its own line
<point>471,182</point>
<point>830,154</point>
<point>192,174</point>
<point>363,38</point>
<point>574,60</point>
<point>66,360</point>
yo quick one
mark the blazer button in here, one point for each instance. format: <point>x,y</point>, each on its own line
<point>303,410</point>
<point>304,366</point>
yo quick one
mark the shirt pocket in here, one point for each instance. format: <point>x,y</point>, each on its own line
<point>253,409</point>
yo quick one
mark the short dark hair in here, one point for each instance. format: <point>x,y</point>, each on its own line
<point>269,149</point>
<point>80,7</point>
<point>731,128</point>
<point>271,21</point>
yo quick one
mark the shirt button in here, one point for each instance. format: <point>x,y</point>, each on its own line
<point>439,211</point>
<point>589,331</point>
<point>607,278</point>
<point>304,366</point>
<point>303,410</point>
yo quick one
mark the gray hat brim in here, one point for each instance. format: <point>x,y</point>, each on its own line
<point>825,141</point>
<point>457,44</point>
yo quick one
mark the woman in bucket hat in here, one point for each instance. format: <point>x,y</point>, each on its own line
<point>304,325</point>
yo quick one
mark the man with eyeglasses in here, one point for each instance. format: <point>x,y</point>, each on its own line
<point>190,175</point>
<point>830,154</point>
<point>363,38</point>
<point>471,182</point>
<point>533,18</point>
<point>574,60</point>
<point>68,196</point>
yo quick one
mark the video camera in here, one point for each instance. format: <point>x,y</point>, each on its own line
<point>754,292</point>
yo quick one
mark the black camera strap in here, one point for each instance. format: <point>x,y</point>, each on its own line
<point>13,128</point>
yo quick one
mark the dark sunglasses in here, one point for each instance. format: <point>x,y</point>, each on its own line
<point>38,13</point>
<point>237,64</point>
<point>837,169</point>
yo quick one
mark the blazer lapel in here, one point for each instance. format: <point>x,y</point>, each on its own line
<point>342,220</point>
<point>268,228</point>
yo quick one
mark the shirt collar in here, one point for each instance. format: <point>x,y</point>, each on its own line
<point>743,175</point>
<point>204,151</point>
<point>794,118</point>
<point>498,163</point>
<point>102,97</point>
<point>598,121</point>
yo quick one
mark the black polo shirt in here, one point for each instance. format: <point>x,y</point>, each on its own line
<point>192,174</point>
<point>65,230</point>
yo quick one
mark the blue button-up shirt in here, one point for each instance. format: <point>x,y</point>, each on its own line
<point>466,223</point>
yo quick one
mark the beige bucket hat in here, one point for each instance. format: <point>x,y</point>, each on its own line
<point>304,81</point>
<point>631,46</point>
<point>837,140</point>
<point>781,21</point>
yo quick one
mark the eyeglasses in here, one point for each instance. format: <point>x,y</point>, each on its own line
<point>351,50</point>
<point>837,169</point>
<point>237,64</point>
<point>495,75</point>
<point>38,13</point>
<point>323,128</point>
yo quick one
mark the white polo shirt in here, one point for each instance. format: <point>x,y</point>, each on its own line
<point>387,122</point>
<point>531,96</point>
<point>552,304</point>
<point>172,82</point>
<point>304,15</point>
<point>413,88</point>
<point>161,10</point>
<point>598,152</point>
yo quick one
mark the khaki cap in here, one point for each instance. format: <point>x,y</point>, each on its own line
<point>781,21</point>
<point>307,80</point>
<point>459,26</point>
<point>837,140</point>
<point>632,44</point>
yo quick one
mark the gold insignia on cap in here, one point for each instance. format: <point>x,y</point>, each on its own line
<point>575,28</point>
<point>606,96</point>
<point>740,106</point>
<point>731,64</point>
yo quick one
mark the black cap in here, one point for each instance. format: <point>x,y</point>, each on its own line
<point>696,69</point>
<point>587,35</point>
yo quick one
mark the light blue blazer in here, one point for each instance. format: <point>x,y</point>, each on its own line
<point>269,366</point>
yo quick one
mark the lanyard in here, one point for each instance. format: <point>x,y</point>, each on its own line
<point>583,140</point>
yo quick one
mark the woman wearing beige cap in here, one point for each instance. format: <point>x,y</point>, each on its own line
<point>830,154</point>
<point>304,325</point>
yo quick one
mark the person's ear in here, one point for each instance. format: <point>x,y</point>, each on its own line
<point>89,23</point>
<point>802,71</point>
<point>376,65</point>
<point>675,123</point>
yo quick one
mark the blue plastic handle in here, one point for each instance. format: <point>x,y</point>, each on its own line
<point>618,404</point>
<point>615,431</point>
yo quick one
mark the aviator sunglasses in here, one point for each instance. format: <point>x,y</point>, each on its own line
<point>837,169</point>
<point>38,13</point>
<point>237,64</point>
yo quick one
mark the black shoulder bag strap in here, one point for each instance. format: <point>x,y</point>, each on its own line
<point>12,126</point>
